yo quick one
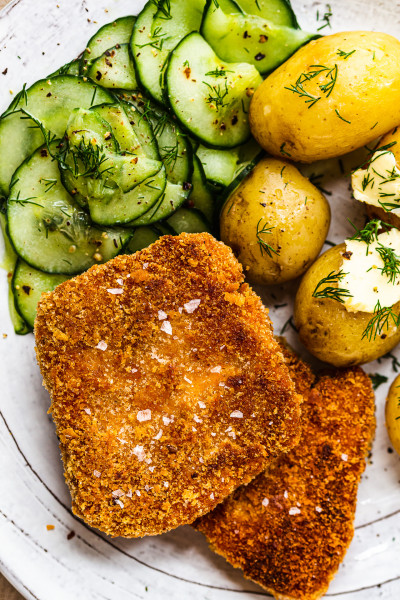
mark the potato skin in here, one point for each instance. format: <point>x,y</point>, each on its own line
<point>327,329</point>
<point>392,413</point>
<point>366,93</point>
<point>275,195</point>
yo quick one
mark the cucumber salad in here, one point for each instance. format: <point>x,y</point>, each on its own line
<point>143,135</point>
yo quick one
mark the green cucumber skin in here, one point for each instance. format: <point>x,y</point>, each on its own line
<point>120,33</point>
<point>224,197</point>
<point>122,56</point>
<point>118,237</point>
<point>49,110</point>
<point>286,17</point>
<point>195,134</point>
<point>26,299</point>
<point>188,220</point>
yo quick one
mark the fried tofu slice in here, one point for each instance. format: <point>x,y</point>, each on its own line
<point>289,529</point>
<point>168,389</point>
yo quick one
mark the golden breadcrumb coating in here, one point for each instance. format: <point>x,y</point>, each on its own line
<point>168,389</point>
<point>289,529</point>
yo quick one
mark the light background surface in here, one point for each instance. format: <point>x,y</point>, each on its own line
<point>37,36</point>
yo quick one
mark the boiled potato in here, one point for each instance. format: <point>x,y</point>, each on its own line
<point>276,222</point>
<point>393,413</point>
<point>335,94</point>
<point>327,329</point>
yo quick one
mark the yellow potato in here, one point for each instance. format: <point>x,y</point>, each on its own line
<point>328,330</point>
<point>332,96</point>
<point>393,413</point>
<point>275,205</point>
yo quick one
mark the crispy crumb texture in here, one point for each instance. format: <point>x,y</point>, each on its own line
<point>289,529</point>
<point>168,389</point>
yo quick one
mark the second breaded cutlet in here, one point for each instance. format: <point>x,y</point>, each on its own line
<point>168,389</point>
<point>289,529</point>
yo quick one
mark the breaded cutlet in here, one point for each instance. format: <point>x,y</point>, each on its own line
<point>168,389</point>
<point>289,529</point>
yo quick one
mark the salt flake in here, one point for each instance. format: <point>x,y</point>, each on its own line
<point>120,504</point>
<point>115,291</point>
<point>139,452</point>
<point>318,509</point>
<point>102,345</point>
<point>166,327</point>
<point>117,493</point>
<point>294,511</point>
<point>236,414</point>
<point>216,369</point>
<point>265,502</point>
<point>187,379</point>
<point>144,415</point>
<point>191,306</point>
<point>162,315</point>
<point>87,411</point>
<point>159,434</point>
<point>96,473</point>
<point>344,457</point>
<point>202,404</point>
<point>197,419</point>
<point>120,281</point>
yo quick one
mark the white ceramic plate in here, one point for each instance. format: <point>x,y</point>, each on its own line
<point>72,561</point>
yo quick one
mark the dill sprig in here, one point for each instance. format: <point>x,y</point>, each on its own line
<point>218,72</point>
<point>217,94</point>
<point>332,291</point>
<point>164,7</point>
<point>20,98</point>
<point>92,158</point>
<point>377,379</point>
<point>369,233</point>
<point>170,154</point>
<point>158,40</point>
<point>49,183</point>
<point>330,73</point>
<point>264,246</point>
<point>380,322</point>
<point>391,262</point>
<point>24,201</point>
<point>325,18</point>
<point>345,55</point>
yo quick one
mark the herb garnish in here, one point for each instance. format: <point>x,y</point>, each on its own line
<point>331,73</point>
<point>217,94</point>
<point>377,379</point>
<point>331,292</point>
<point>391,262</point>
<point>264,246</point>
<point>345,55</point>
<point>340,116</point>
<point>218,72</point>
<point>380,321</point>
<point>326,17</point>
<point>164,7</point>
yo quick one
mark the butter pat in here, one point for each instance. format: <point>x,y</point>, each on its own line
<point>379,184</point>
<point>364,278</point>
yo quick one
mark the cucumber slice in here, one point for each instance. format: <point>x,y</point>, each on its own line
<point>123,208</point>
<point>242,174</point>
<point>210,97</point>
<point>144,236</point>
<point>117,32</point>
<point>279,12</point>
<point>47,229</point>
<point>219,165</point>
<point>158,29</point>
<point>114,69</point>
<point>108,182</point>
<point>238,37</point>
<point>28,284</point>
<point>130,128</point>
<point>173,197</point>
<point>188,220</point>
<point>9,263</point>
<point>201,197</point>
<point>50,101</point>
<point>71,68</point>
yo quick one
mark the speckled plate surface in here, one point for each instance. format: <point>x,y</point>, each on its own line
<point>72,561</point>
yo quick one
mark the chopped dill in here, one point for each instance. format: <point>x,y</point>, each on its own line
<point>391,262</point>
<point>264,246</point>
<point>377,379</point>
<point>325,18</point>
<point>345,55</point>
<point>217,94</point>
<point>283,151</point>
<point>331,291</point>
<point>340,116</point>
<point>381,320</point>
